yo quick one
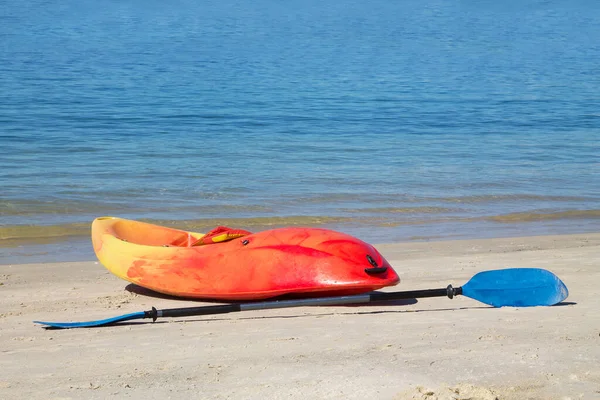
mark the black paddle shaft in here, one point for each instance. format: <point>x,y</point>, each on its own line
<point>416,294</point>
<point>341,300</point>
<point>191,311</point>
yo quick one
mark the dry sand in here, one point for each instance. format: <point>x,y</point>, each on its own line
<point>430,349</point>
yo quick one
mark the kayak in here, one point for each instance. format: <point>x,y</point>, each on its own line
<point>233,264</point>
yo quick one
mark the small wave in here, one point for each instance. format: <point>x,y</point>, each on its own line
<point>488,198</point>
<point>545,216</point>
<point>404,210</point>
<point>26,208</point>
<point>12,235</point>
<point>512,218</point>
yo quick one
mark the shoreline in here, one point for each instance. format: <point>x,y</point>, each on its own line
<point>426,349</point>
<point>69,247</point>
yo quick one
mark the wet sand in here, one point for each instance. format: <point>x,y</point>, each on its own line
<point>426,349</point>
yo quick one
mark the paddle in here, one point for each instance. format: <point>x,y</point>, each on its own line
<point>516,287</point>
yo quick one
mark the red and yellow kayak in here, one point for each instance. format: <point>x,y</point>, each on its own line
<point>231,264</point>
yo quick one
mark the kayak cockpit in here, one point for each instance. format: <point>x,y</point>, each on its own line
<point>137,232</point>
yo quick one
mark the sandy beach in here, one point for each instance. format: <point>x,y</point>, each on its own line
<point>426,349</point>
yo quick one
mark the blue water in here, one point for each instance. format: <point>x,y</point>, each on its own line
<point>391,120</point>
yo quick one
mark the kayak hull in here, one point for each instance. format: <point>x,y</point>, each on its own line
<point>285,261</point>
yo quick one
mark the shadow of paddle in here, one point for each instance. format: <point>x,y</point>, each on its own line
<point>565,303</point>
<point>385,303</point>
<point>319,315</point>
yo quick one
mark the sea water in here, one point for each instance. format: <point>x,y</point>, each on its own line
<point>389,120</point>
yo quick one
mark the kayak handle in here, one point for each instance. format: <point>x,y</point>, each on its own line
<point>375,270</point>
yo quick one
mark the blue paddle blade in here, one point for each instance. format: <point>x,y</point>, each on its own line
<point>516,287</point>
<point>90,324</point>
